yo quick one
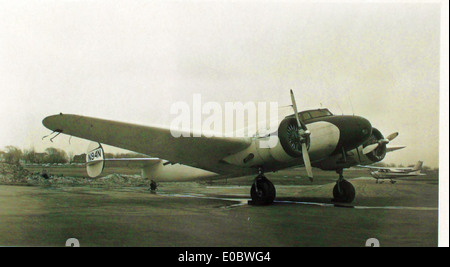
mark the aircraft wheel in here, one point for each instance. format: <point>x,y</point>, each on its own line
<point>346,194</point>
<point>265,195</point>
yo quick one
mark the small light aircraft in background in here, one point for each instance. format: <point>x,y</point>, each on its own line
<point>311,138</point>
<point>382,173</point>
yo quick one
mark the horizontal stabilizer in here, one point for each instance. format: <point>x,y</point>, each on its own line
<point>96,161</point>
<point>140,162</point>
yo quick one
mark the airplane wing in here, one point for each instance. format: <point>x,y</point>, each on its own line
<point>373,167</point>
<point>200,152</point>
<point>386,168</point>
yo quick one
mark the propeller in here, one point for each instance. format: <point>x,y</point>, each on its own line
<point>303,137</point>
<point>384,141</point>
<point>392,136</point>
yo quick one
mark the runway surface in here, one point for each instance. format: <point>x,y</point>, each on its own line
<point>189,214</point>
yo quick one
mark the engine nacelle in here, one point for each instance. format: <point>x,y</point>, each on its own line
<point>356,156</point>
<point>321,143</point>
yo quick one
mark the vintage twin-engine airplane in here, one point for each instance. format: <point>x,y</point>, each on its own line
<point>382,173</point>
<point>312,138</point>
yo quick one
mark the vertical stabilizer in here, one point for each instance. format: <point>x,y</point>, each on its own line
<point>95,161</point>
<point>418,166</point>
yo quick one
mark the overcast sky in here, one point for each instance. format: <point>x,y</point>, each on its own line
<point>130,60</point>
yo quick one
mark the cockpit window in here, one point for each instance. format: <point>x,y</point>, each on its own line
<point>305,116</point>
<point>312,114</point>
<point>319,113</point>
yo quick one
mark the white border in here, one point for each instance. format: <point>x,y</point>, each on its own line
<point>443,123</point>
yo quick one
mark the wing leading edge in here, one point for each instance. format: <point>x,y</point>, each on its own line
<point>200,152</point>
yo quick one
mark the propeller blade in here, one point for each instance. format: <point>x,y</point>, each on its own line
<point>302,127</point>
<point>294,106</point>
<point>392,136</point>
<point>303,134</point>
<point>393,148</point>
<point>307,161</point>
<point>370,148</point>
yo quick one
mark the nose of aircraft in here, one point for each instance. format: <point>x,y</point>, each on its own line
<point>354,131</point>
<point>364,128</point>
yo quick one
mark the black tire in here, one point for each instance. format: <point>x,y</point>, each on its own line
<point>266,192</point>
<point>153,186</point>
<point>347,194</point>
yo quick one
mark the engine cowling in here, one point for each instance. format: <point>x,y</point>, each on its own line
<point>380,152</point>
<point>289,136</point>
<point>356,156</point>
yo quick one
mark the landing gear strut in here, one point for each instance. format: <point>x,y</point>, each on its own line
<point>343,191</point>
<point>263,191</point>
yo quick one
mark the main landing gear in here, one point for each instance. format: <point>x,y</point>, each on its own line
<point>263,191</point>
<point>343,191</point>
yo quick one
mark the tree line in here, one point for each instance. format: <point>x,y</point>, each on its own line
<point>12,154</point>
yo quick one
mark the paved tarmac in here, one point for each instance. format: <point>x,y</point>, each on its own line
<point>189,214</point>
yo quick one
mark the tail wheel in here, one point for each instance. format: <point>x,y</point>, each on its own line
<point>265,195</point>
<point>344,192</point>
